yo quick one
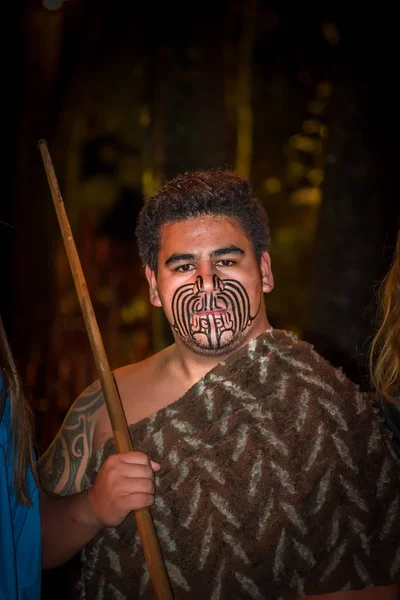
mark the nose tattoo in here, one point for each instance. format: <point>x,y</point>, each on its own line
<point>207,316</point>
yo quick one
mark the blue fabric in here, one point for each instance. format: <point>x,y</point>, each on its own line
<point>20,536</point>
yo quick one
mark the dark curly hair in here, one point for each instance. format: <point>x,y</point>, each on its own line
<point>191,195</point>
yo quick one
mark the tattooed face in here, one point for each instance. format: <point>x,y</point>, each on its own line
<point>210,284</point>
<point>211,320</point>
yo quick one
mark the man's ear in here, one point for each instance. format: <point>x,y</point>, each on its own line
<point>266,273</point>
<point>151,278</point>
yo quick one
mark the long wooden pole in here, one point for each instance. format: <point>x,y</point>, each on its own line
<point>144,522</point>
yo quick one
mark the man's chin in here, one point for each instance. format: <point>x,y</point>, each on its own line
<point>209,350</point>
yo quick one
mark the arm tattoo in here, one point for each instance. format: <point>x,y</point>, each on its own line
<point>62,466</point>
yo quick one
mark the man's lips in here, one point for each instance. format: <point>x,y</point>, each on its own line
<point>215,313</point>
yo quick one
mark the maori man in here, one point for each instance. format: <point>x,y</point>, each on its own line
<point>269,473</point>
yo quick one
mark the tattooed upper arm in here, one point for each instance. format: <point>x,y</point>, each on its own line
<point>63,465</point>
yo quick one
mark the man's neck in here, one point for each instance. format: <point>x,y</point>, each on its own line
<point>192,366</point>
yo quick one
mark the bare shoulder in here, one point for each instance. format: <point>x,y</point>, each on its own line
<point>141,371</point>
<point>147,386</point>
<point>143,377</point>
<point>62,466</point>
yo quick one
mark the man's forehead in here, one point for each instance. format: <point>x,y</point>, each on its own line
<point>204,226</point>
<point>202,237</point>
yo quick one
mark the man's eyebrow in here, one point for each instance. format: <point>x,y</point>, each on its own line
<point>174,258</point>
<point>231,249</point>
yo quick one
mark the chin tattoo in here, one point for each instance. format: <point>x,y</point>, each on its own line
<point>211,321</point>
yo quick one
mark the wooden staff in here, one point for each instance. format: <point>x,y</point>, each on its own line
<point>144,522</point>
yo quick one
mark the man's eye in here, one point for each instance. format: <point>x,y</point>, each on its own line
<point>183,268</point>
<point>225,262</point>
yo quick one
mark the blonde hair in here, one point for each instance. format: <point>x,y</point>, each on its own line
<point>385,347</point>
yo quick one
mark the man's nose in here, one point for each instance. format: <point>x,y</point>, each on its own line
<point>207,282</point>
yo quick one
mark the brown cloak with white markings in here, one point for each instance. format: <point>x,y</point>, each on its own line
<point>278,479</point>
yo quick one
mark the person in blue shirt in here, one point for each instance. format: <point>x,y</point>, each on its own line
<point>20,536</point>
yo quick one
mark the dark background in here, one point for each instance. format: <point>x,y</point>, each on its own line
<point>300,100</point>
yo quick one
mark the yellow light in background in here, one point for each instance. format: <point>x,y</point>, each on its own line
<point>105,295</point>
<point>315,176</point>
<point>150,183</point>
<point>144,116</point>
<point>324,89</point>
<point>330,32</point>
<point>296,170</point>
<point>316,107</point>
<point>311,126</point>
<point>138,308</point>
<point>305,144</point>
<point>311,196</point>
<point>284,236</point>
<point>273,185</point>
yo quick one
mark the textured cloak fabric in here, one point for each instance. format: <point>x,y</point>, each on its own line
<point>278,480</point>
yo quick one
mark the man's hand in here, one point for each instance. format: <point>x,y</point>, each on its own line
<point>124,483</point>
